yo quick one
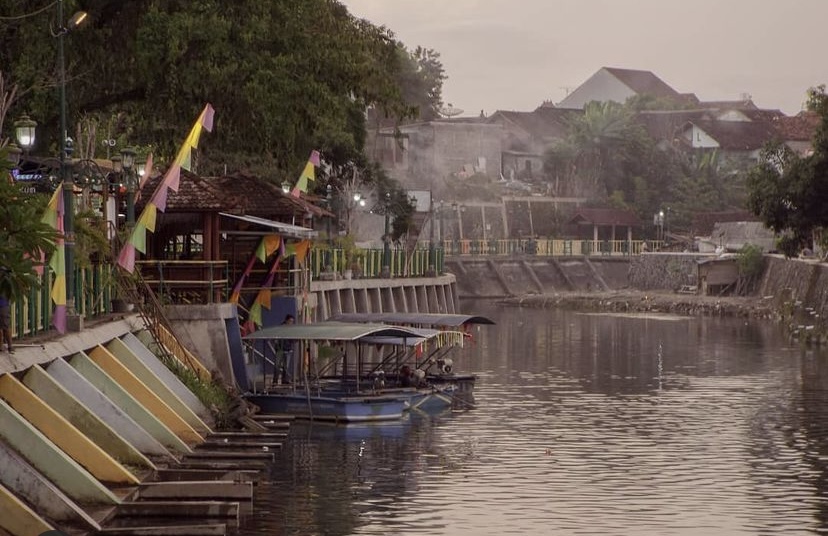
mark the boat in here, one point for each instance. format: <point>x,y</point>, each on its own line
<point>325,380</point>
<point>438,365</point>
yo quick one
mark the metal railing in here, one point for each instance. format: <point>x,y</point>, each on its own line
<point>186,281</point>
<point>367,263</point>
<point>94,290</point>
<point>547,247</point>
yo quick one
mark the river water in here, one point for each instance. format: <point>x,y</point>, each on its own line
<point>584,424</point>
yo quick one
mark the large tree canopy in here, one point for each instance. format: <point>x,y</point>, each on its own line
<point>790,192</point>
<point>285,77</point>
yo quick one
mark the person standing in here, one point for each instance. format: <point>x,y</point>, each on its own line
<point>5,323</point>
<point>284,369</point>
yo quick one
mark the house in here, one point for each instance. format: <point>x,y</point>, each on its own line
<point>527,135</point>
<point>732,236</point>
<point>614,84</point>
<point>717,276</point>
<point>604,224</point>
<point>798,132</point>
<point>738,142</point>
<point>420,155</point>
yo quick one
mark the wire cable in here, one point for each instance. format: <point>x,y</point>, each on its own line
<point>33,13</point>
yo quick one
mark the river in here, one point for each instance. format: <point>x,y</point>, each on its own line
<point>584,424</point>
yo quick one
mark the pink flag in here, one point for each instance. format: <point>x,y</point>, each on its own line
<point>173,177</point>
<point>126,258</point>
<point>314,158</point>
<point>147,172</point>
<point>207,118</point>
<point>160,200</point>
<point>59,318</point>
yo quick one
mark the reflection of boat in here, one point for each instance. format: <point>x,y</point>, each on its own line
<point>352,432</point>
<point>328,385</point>
<point>438,366</point>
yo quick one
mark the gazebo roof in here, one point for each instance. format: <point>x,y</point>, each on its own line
<point>195,194</point>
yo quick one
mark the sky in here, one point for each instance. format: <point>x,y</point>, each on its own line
<point>516,54</point>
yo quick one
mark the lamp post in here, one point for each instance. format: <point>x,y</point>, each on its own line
<point>128,164</point>
<point>386,239</point>
<point>442,235</point>
<point>74,322</point>
<point>658,221</point>
<point>329,205</point>
<point>432,262</point>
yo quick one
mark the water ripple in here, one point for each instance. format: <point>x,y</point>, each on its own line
<point>583,425</point>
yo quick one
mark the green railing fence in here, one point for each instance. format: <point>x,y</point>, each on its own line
<point>94,290</point>
<point>207,282</point>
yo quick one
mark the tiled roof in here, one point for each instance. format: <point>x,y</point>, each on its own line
<point>259,197</point>
<point>800,127</point>
<point>665,125</point>
<point>644,82</point>
<point>739,135</point>
<point>605,216</point>
<point>195,194</point>
<point>542,123</point>
<point>704,222</point>
<point>743,104</point>
<point>239,194</point>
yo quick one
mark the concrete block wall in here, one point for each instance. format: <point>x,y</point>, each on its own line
<point>423,295</point>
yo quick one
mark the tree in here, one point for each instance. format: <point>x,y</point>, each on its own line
<point>23,237</point>
<point>285,77</point>
<point>790,193</point>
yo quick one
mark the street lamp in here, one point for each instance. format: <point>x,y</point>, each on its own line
<point>658,221</point>
<point>386,246</point>
<point>24,131</point>
<point>329,205</point>
<point>285,187</point>
<point>442,235</point>
<point>128,164</point>
<point>66,177</point>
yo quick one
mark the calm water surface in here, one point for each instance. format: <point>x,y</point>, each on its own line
<point>584,424</point>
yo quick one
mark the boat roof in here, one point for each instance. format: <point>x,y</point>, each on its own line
<point>422,319</point>
<point>442,337</point>
<point>332,331</point>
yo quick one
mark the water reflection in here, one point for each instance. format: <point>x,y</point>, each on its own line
<point>584,424</point>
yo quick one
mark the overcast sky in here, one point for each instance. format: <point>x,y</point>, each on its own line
<point>514,54</point>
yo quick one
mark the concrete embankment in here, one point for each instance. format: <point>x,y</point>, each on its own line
<point>792,291</point>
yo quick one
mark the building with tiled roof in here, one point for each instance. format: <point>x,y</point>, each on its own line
<point>527,135</point>
<point>614,84</point>
<point>798,131</point>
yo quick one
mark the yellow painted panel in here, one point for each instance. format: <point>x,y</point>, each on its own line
<point>139,390</point>
<point>63,433</point>
<point>18,519</point>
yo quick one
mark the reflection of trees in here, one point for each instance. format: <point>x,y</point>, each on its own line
<point>812,412</point>
<point>619,354</point>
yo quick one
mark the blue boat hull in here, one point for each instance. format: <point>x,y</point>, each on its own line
<point>331,408</point>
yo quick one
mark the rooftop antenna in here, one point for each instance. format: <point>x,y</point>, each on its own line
<point>450,111</point>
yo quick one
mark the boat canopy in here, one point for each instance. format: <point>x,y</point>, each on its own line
<point>442,338</point>
<point>420,319</point>
<point>332,331</point>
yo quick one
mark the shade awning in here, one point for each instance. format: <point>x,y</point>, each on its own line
<point>331,331</point>
<point>419,319</point>
<point>286,229</point>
